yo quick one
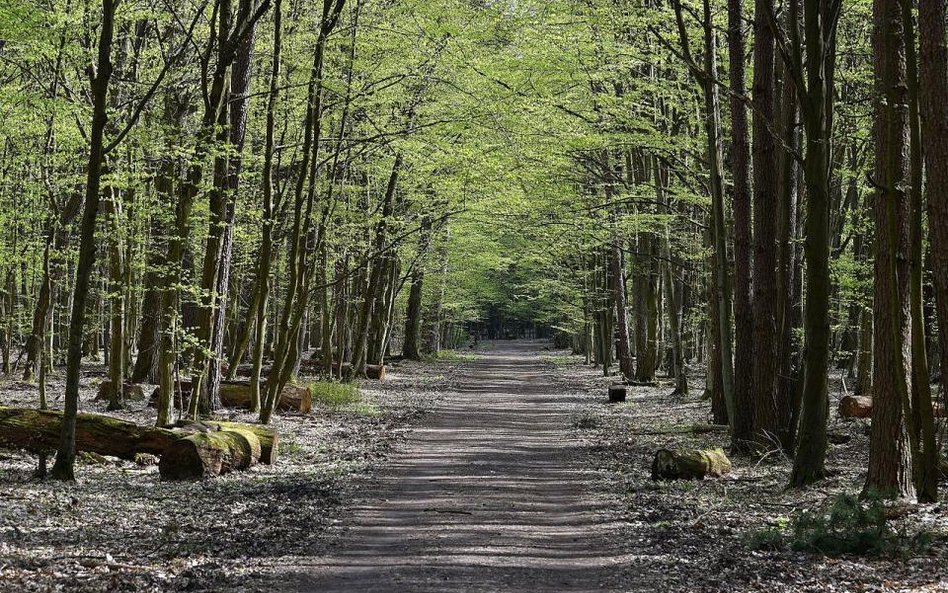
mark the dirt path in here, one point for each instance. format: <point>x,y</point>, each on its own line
<point>490,493</point>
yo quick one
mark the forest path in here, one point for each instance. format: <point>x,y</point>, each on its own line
<point>490,493</point>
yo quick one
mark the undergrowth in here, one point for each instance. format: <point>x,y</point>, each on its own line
<point>334,395</point>
<point>848,526</point>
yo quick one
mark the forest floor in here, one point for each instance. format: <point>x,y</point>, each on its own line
<point>500,471</point>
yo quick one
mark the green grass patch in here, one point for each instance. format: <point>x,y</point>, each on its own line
<point>453,356</point>
<point>334,395</point>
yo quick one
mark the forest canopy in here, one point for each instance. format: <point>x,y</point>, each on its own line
<point>747,192</point>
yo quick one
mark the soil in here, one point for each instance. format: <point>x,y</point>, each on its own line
<point>490,494</point>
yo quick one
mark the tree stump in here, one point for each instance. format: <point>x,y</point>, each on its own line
<point>375,372</point>
<point>690,465</point>
<point>617,393</point>
<point>130,391</point>
<point>855,406</point>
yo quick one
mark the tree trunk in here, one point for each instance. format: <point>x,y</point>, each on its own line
<point>933,73</point>
<point>66,454</point>
<point>745,354</point>
<point>890,462</point>
<point>769,418</point>
<point>924,448</point>
<point>816,105</point>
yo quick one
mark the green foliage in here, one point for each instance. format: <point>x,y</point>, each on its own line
<point>848,526</point>
<point>334,395</point>
<point>453,356</point>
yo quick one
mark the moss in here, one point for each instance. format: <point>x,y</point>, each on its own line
<point>690,465</point>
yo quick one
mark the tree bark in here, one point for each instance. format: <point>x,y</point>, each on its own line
<point>890,462</point>
<point>63,468</point>
<point>745,355</point>
<point>933,76</point>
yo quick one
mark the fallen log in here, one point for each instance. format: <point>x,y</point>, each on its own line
<point>236,394</point>
<point>130,391</point>
<point>269,440</point>
<point>860,406</point>
<point>211,448</point>
<point>372,371</point>
<point>293,398</point>
<point>39,431</point>
<point>689,465</point>
<point>855,406</point>
<point>207,454</point>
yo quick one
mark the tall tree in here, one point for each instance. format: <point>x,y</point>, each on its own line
<point>99,89</point>
<point>890,462</point>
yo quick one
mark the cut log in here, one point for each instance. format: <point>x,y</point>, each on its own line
<point>236,394</point>
<point>375,371</point>
<point>207,454</point>
<point>269,440</point>
<point>860,406</point>
<point>617,393</point>
<point>38,431</point>
<point>293,398</point>
<point>246,370</point>
<point>131,391</point>
<point>690,465</point>
<point>855,406</point>
<point>211,448</point>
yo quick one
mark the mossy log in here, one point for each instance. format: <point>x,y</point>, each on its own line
<point>860,406</point>
<point>39,431</point>
<point>269,439</point>
<point>690,465</point>
<point>208,454</point>
<point>236,394</point>
<point>131,391</point>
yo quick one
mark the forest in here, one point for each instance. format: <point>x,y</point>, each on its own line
<point>317,296</point>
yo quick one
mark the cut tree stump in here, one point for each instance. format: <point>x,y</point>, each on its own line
<point>860,406</point>
<point>131,391</point>
<point>236,394</point>
<point>375,371</point>
<point>617,393</point>
<point>690,465</point>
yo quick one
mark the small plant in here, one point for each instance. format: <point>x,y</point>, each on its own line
<point>289,448</point>
<point>334,395</point>
<point>849,527</point>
